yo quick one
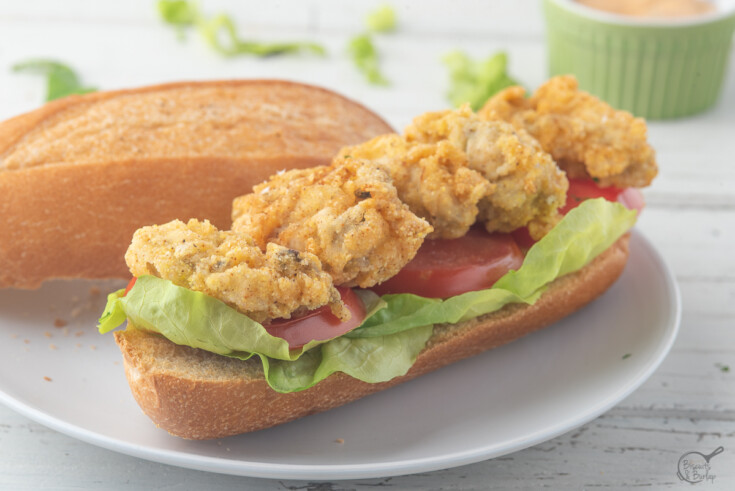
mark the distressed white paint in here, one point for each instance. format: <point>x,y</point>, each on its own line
<point>688,404</point>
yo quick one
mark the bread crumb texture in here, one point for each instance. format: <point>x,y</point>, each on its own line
<point>254,119</point>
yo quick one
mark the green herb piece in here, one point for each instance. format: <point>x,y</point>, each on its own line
<point>723,368</point>
<point>365,57</point>
<point>220,32</point>
<point>61,80</point>
<point>626,356</point>
<point>476,81</point>
<point>382,19</point>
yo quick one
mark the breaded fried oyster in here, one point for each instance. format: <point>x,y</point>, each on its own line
<point>347,214</point>
<point>586,136</point>
<point>230,266</point>
<point>432,179</point>
<point>453,168</point>
<point>528,187</point>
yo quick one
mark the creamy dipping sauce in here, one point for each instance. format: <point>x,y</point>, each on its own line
<point>652,8</point>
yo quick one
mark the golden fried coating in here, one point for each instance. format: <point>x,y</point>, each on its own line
<point>432,179</point>
<point>347,214</point>
<point>527,186</point>
<point>586,136</point>
<point>231,267</point>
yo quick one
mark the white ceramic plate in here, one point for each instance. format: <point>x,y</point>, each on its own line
<point>502,401</point>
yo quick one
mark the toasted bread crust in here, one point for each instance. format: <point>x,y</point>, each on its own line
<point>75,187</point>
<point>199,395</point>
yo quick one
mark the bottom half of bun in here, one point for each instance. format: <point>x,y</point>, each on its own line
<point>196,394</point>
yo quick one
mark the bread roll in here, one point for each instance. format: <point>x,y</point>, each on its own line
<point>79,175</point>
<point>196,394</point>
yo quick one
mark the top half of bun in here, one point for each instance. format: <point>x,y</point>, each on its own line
<point>237,119</point>
<point>79,175</point>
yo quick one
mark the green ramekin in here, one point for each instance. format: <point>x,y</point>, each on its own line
<point>658,69</point>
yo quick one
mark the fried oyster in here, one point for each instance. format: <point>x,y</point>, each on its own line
<point>347,214</point>
<point>434,180</point>
<point>453,168</point>
<point>586,136</point>
<point>231,267</point>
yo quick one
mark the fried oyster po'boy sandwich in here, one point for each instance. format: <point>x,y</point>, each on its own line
<point>407,253</point>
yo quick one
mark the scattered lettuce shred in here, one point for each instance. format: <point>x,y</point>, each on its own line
<point>362,49</point>
<point>365,57</point>
<point>231,45</point>
<point>476,81</point>
<point>220,32</point>
<point>397,327</point>
<point>382,19</point>
<point>178,13</point>
<point>61,80</point>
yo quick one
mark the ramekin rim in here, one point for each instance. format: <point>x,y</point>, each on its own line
<point>624,20</point>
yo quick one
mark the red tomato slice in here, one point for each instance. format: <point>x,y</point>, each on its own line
<point>584,189</point>
<point>130,286</point>
<point>523,238</point>
<point>444,268</point>
<point>319,324</point>
<point>632,199</point>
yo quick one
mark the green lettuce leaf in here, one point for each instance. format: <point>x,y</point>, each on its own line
<point>581,235</point>
<point>61,80</point>
<point>372,360</point>
<point>193,319</point>
<point>402,312</point>
<point>397,326</point>
<point>474,82</point>
<point>114,313</point>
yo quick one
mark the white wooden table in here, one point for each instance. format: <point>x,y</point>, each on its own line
<point>687,405</point>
